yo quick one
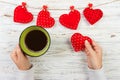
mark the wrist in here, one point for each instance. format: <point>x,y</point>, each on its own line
<point>95,68</point>
<point>25,68</point>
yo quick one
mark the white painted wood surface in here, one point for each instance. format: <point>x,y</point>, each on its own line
<point>61,62</point>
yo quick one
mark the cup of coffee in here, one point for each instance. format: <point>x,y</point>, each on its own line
<point>34,41</point>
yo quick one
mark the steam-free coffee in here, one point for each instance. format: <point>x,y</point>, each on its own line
<point>36,40</point>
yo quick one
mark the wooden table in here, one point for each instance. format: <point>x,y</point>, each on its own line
<point>61,62</point>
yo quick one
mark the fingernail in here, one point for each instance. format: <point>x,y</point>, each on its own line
<point>86,42</point>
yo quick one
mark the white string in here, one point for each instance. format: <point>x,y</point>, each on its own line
<point>60,9</point>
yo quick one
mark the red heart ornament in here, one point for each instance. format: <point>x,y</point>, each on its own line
<point>44,19</point>
<point>21,15</point>
<point>70,20</point>
<point>78,41</point>
<point>92,15</point>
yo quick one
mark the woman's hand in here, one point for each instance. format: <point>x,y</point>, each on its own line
<point>94,55</point>
<point>20,59</point>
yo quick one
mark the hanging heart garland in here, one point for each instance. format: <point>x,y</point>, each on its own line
<point>70,20</point>
<point>21,14</point>
<point>92,15</point>
<point>78,41</point>
<point>44,19</point>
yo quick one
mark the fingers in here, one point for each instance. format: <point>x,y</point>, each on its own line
<point>89,47</point>
<point>14,56</point>
<point>97,48</point>
<point>19,52</point>
<point>87,52</point>
<point>94,44</point>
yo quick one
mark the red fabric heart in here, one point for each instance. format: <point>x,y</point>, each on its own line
<point>70,20</point>
<point>44,19</point>
<point>78,41</point>
<point>21,15</point>
<point>92,15</point>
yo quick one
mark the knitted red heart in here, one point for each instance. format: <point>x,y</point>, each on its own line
<point>21,15</point>
<point>70,20</point>
<point>92,15</point>
<point>44,19</point>
<point>78,41</point>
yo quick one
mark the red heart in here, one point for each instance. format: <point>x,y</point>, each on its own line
<point>78,41</point>
<point>21,15</point>
<point>92,15</point>
<point>44,20</point>
<point>70,20</point>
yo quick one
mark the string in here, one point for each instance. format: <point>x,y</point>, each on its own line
<point>64,9</point>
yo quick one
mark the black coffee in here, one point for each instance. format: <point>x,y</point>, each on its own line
<point>36,40</point>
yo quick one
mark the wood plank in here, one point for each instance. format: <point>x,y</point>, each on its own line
<point>61,62</point>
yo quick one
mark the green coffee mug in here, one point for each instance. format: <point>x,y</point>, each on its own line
<point>34,41</point>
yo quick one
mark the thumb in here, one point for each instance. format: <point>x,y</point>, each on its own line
<point>88,47</point>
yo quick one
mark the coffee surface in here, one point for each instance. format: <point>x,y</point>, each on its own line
<point>36,40</point>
